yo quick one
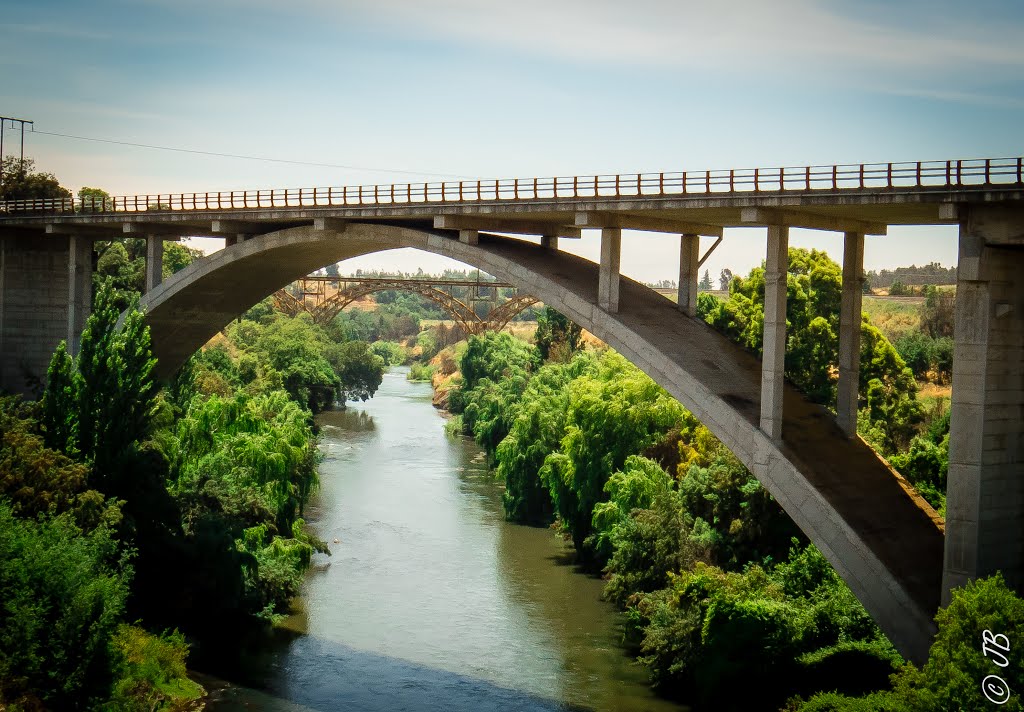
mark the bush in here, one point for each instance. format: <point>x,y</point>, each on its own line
<point>421,372</point>
<point>61,595</point>
<point>151,672</point>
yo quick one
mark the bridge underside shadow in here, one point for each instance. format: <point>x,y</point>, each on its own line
<point>882,539</point>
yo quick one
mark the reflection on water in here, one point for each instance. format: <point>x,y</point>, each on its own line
<point>430,600</point>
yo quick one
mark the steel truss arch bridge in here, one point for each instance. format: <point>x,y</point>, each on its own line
<point>313,295</point>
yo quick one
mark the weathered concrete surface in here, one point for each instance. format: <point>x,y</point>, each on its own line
<point>773,361</point>
<point>849,332</point>
<point>886,543</point>
<point>34,298</point>
<point>689,256</point>
<point>985,488</point>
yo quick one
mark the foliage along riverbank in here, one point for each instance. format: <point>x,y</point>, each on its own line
<point>135,521</point>
<point>724,598</point>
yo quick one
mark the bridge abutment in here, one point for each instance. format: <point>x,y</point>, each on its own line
<point>45,297</point>
<point>985,485</point>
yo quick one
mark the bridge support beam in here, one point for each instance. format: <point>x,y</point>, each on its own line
<point>985,487</point>
<point>689,257</point>
<point>154,262</point>
<point>608,277</point>
<point>79,288</point>
<point>549,242</point>
<point>849,332</point>
<point>773,359</point>
<point>469,237</point>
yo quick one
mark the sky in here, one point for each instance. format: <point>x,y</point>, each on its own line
<point>411,90</point>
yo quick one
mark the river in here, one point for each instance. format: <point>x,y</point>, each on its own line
<point>431,600</point>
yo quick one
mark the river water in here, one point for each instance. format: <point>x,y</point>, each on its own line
<point>431,600</point>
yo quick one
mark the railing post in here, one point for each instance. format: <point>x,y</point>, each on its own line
<point>515,189</point>
<point>835,177</point>
<point>617,184</point>
<point>861,175</point>
<point>988,171</point>
<point>919,174</point>
<point>757,180</point>
<point>707,181</point>
<point>661,184</point>
<point>949,173</point>
<point>1020,170</point>
<point>959,172</point>
<point>888,175</point>
<point>684,182</point>
<point>807,177</point>
<point>534,188</point>
<point>732,180</point>
<point>575,186</point>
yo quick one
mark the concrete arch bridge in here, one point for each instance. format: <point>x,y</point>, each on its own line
<point>897,555</point>
<point>323,298</point>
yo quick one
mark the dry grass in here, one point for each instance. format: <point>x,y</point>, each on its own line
<point>893,317</point>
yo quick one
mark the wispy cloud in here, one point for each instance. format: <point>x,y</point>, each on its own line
<point>754,36</point>
<point>80,33</point>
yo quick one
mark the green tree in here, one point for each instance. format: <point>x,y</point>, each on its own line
<point>555,330</point>
<point>618,413</point>
<point>536,431</point>
<point>705,283</point>
<point>101,405</point>
<point>20,181</point>
<point>94,199</point>
<point>62,593</point>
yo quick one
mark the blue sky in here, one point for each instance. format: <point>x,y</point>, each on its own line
<point>533,87</point>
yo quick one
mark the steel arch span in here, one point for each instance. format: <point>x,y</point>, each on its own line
<point>463,314</point>
<point>881,537</point>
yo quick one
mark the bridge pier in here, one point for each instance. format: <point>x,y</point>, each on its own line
<point>45,297</point>
<point>849,332</point>
<point>689,256</point>
<point>549,242</point>
<point>773,358</point>
<point>985,485</point>
<point>608,277</point>
<point>154,262</point>
<point>79,288</point>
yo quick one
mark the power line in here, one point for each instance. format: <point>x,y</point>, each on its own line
<point>246,158</point>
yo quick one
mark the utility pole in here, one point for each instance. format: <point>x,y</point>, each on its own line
<point>3,127</point>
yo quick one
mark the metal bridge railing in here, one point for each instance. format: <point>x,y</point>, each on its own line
<point>866,176</point>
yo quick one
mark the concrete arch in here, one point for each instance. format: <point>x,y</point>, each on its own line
<point>883,540</point>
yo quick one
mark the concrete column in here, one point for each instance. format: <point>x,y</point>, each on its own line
<point>79,288</point>
<point>608,278</point>
<point>469,237</point>
<point>231,240</point>
<point>549,242</point>
<point>154,262</point>
<point>849,332</point>
<point>773,359</point>
<point>985,487</point>
<point>689,255</point>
